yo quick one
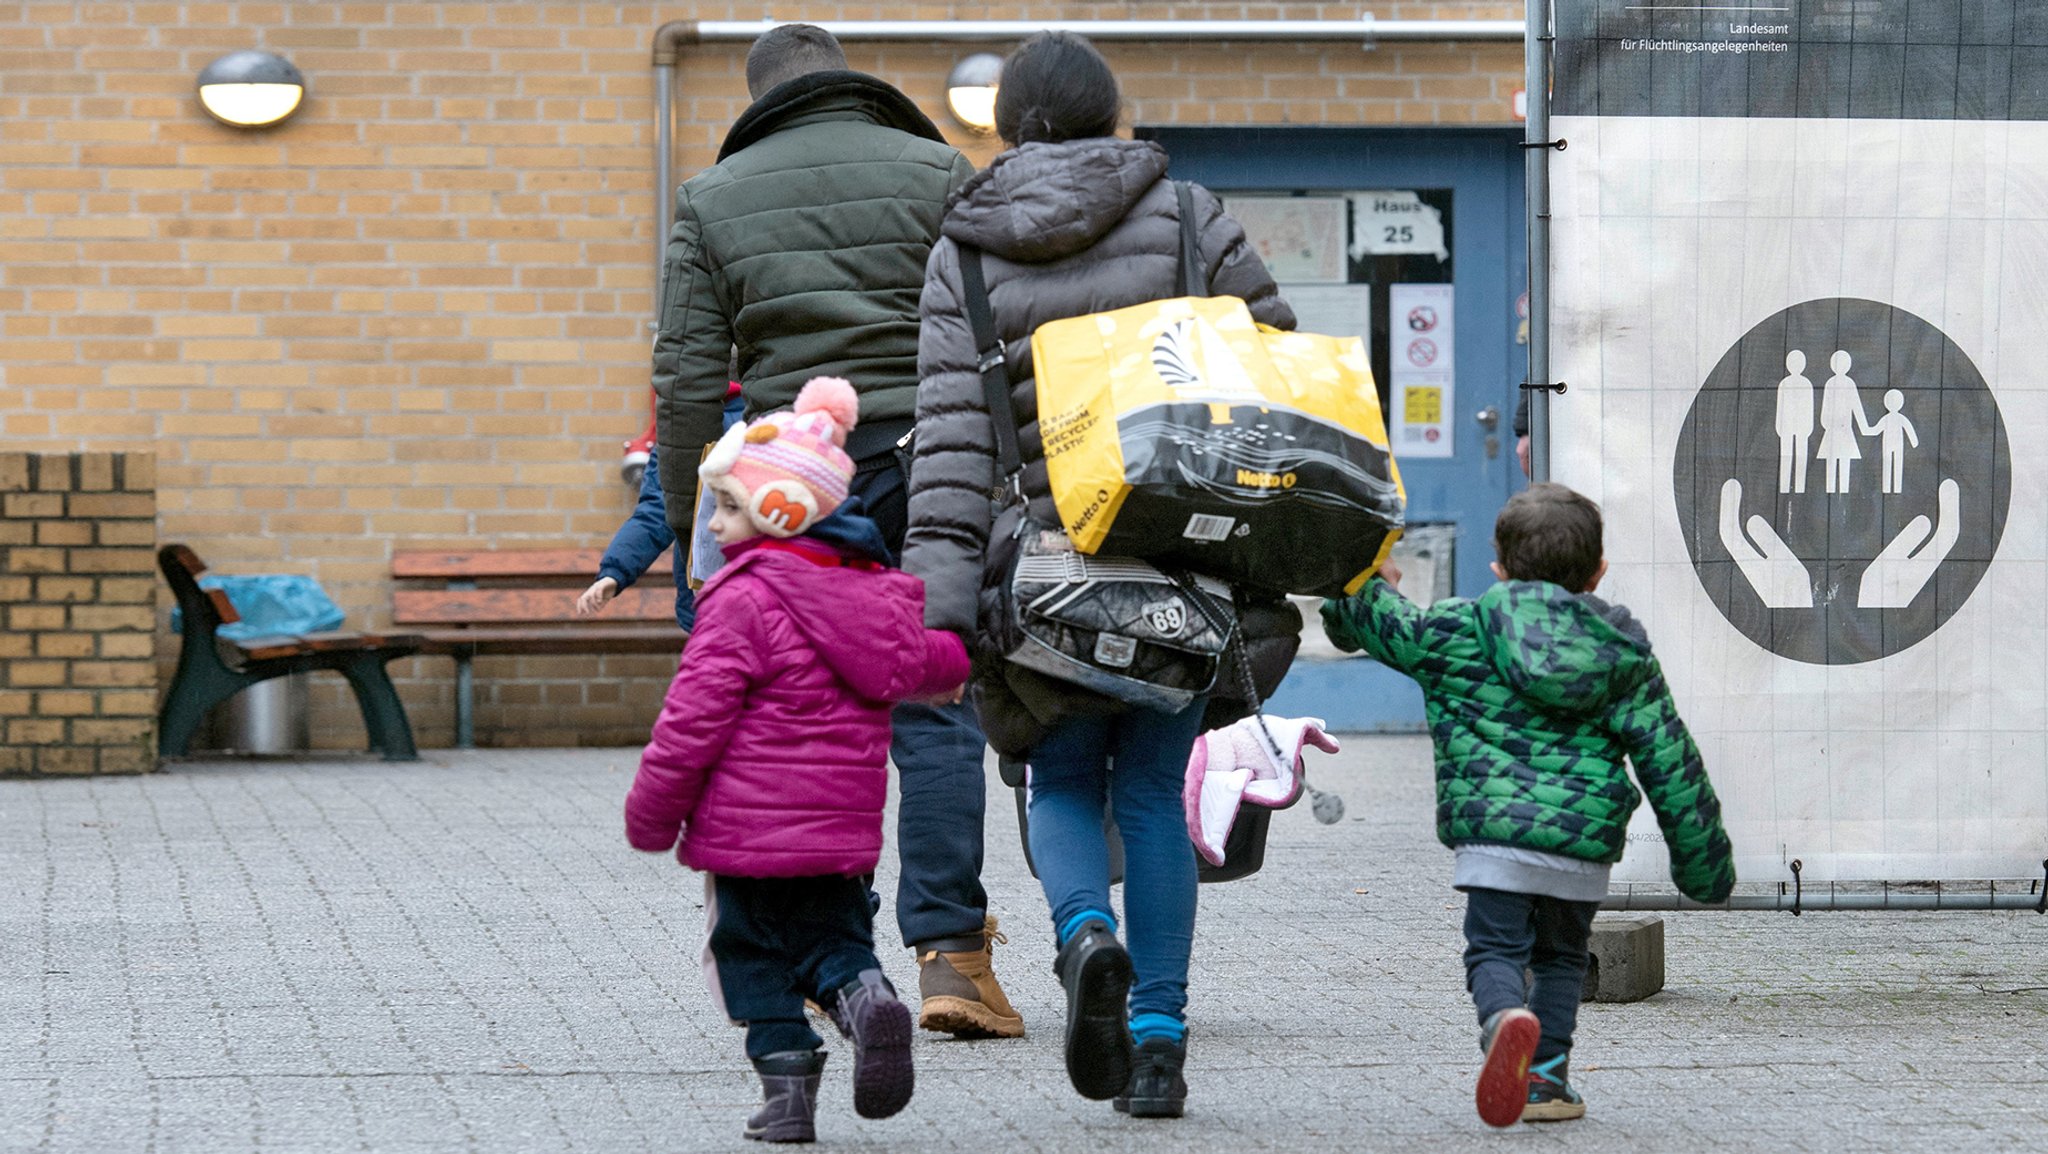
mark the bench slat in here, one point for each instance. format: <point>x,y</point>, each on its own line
<point>489,641</point>
<point>337,640</point>
<point>508,563</point>
<point>268,648</point>
<point>519,606</point>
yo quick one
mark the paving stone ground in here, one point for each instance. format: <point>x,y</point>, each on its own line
<point>462,954</point>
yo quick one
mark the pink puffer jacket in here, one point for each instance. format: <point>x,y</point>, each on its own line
<point>773,745</point>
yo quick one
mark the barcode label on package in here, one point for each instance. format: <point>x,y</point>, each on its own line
<point>1204,527</point>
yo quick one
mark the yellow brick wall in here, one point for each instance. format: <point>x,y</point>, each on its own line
<point>415,315</point>
<point>78,592</point>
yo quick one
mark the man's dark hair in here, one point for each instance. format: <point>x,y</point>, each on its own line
<point>1056,87</point>
<point>788,51</point>
<point>1549,533</point>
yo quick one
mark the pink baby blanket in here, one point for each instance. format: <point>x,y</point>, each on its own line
<point>1234,766</point>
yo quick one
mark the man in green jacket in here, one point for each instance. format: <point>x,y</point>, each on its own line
<point>1536,694</point>
<point>801,253</point>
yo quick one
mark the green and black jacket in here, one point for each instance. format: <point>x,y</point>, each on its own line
<point>1535,696</point>
<point>803,248</point>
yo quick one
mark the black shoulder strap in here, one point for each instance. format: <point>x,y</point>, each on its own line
<point>1193,279</point>
<point>990,359</point>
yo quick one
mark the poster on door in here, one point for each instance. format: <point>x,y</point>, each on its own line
<point>1420,324</point>
<point>1796,269</point>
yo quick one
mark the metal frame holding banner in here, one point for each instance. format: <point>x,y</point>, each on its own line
<point>1795,258</point>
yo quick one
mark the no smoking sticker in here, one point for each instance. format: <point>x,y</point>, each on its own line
<point>1842,479</point>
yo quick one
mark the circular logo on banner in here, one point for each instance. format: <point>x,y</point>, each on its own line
<point>1422,352</point>
<point>1842,480</point>
<point>1421,319</point>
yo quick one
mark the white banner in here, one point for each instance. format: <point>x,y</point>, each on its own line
<point>1802,309</point>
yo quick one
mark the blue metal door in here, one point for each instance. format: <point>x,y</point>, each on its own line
<point>1476,175</point>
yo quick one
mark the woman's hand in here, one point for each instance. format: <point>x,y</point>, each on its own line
<point>596,597</point>
<point>958,694</point>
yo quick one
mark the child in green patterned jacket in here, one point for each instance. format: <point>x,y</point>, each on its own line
<point>1536,693</point>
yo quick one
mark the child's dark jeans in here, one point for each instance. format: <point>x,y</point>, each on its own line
<point>1507,933</point>
<point>775,941</point>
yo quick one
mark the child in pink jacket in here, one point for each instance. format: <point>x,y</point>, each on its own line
<point>769,761</point>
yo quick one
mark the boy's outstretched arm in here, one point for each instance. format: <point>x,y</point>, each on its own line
<point>644,536</point>
<point>1378,621</point>
<point>1674,778</point>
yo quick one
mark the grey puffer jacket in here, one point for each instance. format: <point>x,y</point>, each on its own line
<point>1065,230</point>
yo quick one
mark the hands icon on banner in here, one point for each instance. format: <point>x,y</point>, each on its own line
<point>1777,575</point>
<point>1899,574</point>
<point>1892,581</point>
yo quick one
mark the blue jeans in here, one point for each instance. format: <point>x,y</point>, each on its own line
<point>938,751</point>
<point>1135,762</point>
<point>1507,933</point>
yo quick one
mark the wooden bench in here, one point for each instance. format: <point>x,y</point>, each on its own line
<point>519,602</point>
<point>212,668</point>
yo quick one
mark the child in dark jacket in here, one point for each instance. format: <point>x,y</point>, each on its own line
<point>1535,694</point>
<point>645,536</point>
<point>769,760</point>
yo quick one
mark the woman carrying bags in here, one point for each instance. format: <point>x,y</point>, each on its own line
<point>1071,220</point>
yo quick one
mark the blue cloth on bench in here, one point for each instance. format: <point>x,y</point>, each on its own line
<point>271,605</point>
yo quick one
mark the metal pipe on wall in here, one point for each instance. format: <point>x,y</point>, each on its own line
<point>1536,176</point>
<point>671,37</point>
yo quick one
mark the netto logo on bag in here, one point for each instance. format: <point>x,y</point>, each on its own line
<point>1252,479</point>
<point>1167,617</point>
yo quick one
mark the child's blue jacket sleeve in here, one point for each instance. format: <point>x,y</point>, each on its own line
<point>640,542</point>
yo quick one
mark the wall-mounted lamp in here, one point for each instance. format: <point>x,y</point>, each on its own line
<point>251,89</point>
<point>971,90</point>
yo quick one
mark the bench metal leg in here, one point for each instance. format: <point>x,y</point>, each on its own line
<point>465,704</point>
<point>198,687</point>
<point>383,713</point>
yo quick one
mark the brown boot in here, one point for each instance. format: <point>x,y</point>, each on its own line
<point>958,984</point>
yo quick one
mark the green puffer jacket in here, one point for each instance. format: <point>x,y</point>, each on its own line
<point>804,247</point>
<point>1534,696</point>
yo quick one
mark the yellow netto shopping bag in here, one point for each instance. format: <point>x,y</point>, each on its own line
<point>1183,432</point>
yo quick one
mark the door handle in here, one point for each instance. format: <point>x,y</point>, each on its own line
<point>1488,418</point>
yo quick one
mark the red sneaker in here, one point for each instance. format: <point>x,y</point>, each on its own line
<point>1510,1039</point>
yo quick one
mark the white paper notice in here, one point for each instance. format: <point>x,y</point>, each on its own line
<point>1421,333</point>
<point>1393,222</point>
<point>1334,310</point>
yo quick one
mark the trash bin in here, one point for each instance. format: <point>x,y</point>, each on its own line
<point>268,717</point>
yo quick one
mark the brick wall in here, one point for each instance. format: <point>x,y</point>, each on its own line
<point>77,669</point>
<point>415,315</point>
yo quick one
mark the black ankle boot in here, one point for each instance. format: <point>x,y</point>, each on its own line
<point>1157,1088</point>
<point>789,1089</point>
<point>878,1025</point>
<point>1096,972</point>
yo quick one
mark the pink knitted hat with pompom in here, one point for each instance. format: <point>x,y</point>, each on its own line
<point>789,469</point>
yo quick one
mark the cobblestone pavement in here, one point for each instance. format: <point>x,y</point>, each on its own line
<point>340,954</point>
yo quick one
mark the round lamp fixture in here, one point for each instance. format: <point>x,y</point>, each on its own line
<point>971,90</point>
<point>251,89</point>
